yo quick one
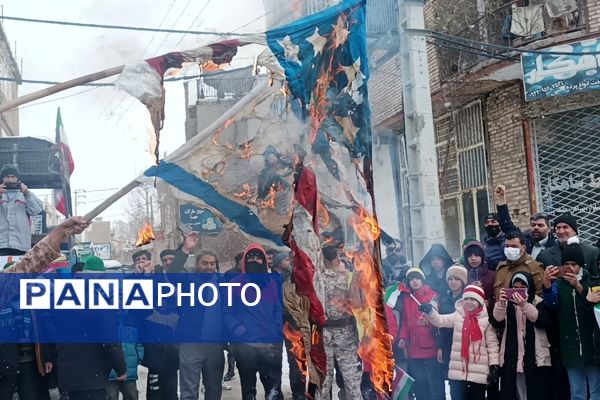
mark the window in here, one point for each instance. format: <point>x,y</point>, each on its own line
<point>462,169</point>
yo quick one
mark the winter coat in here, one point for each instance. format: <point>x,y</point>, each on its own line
<point>438,284</point>
<point>579,335</point>
<point>15,224</point>
<point>506,270</point>
<point>480,274</point>
<point>254,319</point>
<point>494,250</point>
<point>478,368</point>
<point>591,255</point>
<point>87,366</point>
<point>447,306</point>
<point>134,354</point>
<point>415,329</point>
<point>538,314</point>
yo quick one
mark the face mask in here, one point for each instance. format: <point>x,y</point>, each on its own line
<point>492,230</point>
<point>253,267</point>
<point>512,254</point>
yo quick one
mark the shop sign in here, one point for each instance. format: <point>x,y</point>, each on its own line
<point>565,69</point>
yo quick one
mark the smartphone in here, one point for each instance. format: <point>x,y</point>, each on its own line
<point>595,288</point>
<point>13,185</point>
<point>562,270</point>
<point>510,293</point>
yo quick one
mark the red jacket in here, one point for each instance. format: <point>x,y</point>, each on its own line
<point>415,329</point>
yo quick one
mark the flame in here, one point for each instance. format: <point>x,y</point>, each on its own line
<point>245,193</point>
<point>323,214</point>
<point>228,123</point>
<point>269,200</point>
<point>375,347</point>
<point>246,150</point>
<point>295,338</point>
<point>145,236</point>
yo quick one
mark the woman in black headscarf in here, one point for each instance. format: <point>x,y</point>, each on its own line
<point>524,350</point>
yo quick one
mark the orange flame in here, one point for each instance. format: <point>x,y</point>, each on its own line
<point>375,347</point>
<point>228,123</point>
<point>323,214</point>
<point>246,150</point>
<point>246,192</point>
<point>145,236</point>
<point>295,338</point>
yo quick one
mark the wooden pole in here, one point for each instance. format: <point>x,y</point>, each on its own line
<point>59,87</point>
<point>111,200</point>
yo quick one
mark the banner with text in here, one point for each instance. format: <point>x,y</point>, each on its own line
<point>566,69</point>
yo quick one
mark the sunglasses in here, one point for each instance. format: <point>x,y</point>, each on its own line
<point>394,249</point>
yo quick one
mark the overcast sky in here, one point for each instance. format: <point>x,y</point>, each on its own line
<point>107,129</point>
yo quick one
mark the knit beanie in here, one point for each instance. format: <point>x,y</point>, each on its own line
<point>415,271</point>
<point>9,169</point>
<point>474,292</point>
<point>574,254</point>
<point>566,219</point>
<point>493,216</point>
<point>94,264</point>
<point>279,258</point>
<point>457,271</point>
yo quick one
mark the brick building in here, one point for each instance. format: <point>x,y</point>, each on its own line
<point>489,129</point>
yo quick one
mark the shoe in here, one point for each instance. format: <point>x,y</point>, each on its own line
<point>230,372</point>
<point>224,386</point>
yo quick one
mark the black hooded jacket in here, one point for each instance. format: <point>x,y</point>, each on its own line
<point>435,282</point>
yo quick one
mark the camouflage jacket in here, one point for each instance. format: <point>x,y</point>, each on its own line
<point>35,261</point>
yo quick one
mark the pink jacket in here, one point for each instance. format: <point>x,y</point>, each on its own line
<point>542,346</point>
<point>415,329</point>
<point>479,367</point>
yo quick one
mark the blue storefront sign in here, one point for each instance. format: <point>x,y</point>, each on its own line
<point>199,220</point>
<point>575,69</point>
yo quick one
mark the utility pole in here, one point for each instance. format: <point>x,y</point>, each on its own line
<point>423,189</point>
<point>79,194</point>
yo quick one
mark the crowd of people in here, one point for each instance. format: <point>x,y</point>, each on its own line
<point>512,318</point>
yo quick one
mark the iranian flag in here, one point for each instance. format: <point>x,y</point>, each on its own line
<point>67,166</point>
<point>402,384</point>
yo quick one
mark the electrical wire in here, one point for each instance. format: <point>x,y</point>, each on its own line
<point>193,22</point>
<point>440,35</point>
<point>123,27</point>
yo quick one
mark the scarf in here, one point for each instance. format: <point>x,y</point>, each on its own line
<point>471,334</point>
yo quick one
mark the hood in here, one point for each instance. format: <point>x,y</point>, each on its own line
<point>466,250</point>
<point>436,250</point>
<point>252,246</point>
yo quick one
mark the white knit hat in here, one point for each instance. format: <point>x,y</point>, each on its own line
<point>474,292</point>
<point>457,271</point>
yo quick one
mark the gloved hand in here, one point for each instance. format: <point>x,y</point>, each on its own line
<point>426,308</point>
<point>494,375</point>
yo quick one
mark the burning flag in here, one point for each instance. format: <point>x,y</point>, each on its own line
<point>145,236</point>
<point>144,80</point>
<point>295,152</point>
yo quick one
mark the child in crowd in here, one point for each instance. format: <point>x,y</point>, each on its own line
<point>475,262</point>
<point>417,337</point>
<point>474,356</point>
<point>524,350</point>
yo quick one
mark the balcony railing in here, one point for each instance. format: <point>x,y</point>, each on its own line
<point>382,15</point>
<point>211,89</point>
<point>491,24</point>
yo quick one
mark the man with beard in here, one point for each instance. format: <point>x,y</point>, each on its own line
<point>566,228</point>
<point>252,355</point>
<point>201,360</point>
<point>538,238</point>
